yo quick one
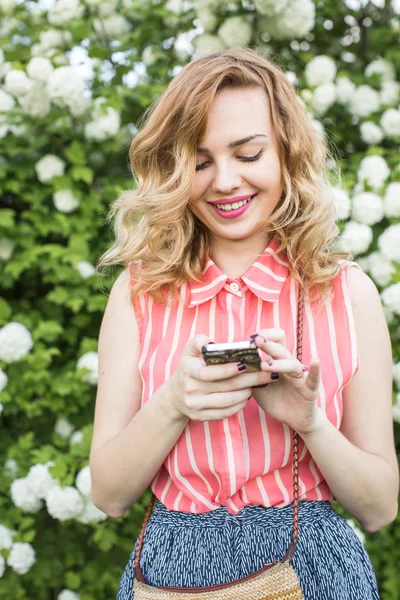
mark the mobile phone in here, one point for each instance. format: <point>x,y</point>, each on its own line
<point>247,352</point>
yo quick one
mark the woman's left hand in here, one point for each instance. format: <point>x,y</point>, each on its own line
<point>290,397</point>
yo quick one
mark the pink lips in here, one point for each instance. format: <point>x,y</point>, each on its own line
<point>231,214</point>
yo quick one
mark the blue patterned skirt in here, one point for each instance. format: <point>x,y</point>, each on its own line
<point>194,550</point>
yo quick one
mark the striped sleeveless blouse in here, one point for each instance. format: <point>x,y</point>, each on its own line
<point>247,458</point>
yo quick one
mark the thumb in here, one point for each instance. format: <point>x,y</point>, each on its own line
<point>313,375</point>
<point>194,346</point>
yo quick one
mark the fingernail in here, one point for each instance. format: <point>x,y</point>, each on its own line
<point>211,342</point>
<point>274,376</point>
<point>253,336</point>
<point>269,362</point>
<point>241,366</point>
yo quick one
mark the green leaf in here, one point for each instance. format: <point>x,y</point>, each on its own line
<point>79,173</point>
<point>7,217</point>
<point>76,153</point>
<point>72,580</point>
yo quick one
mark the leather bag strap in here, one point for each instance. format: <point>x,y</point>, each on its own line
<point>295,535</point>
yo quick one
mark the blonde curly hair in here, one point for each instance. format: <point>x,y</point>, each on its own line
<point>154,228</point>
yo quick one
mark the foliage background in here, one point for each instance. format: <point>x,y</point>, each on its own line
<point>126,52</point>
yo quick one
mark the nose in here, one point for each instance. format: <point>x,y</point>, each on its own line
<point>226,179</point>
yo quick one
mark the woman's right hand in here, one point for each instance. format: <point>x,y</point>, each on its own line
<point>209,392</point>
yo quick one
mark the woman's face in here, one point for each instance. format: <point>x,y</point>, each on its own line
<point>237,183</point>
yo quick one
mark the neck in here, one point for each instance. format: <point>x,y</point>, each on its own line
<point>235,257</point>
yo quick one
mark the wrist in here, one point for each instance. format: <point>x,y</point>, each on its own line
<point>316,426</point>
<point>167,393</point>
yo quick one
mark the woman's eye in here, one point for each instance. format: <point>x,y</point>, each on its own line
<point>241,158</point>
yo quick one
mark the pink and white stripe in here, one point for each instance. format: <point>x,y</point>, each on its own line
<point>247,458</point>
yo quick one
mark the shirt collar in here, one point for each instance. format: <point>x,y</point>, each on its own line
<point>265,278</point>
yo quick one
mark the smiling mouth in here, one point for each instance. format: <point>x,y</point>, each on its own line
<point>234,205</point>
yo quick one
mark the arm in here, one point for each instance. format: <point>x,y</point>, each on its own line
<point>129,443</point>
<point>359,461</point>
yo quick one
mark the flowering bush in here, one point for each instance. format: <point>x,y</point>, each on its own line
<point>75,76</point>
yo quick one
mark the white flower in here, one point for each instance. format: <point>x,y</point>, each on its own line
<point>380,268</point>
<point>371,133</point>
<point>48,167</point>
<point>51,38</point>
<point>374,170</point>
<point>151,54</point>
<point>85,268</point>
<point>64,503</point>
<point>64,11</point>
<point>388,242</point>
<point>103,7</point>
<point>320,70</point>
<point>364,101</point>
<point>208,43</point>
<point>391,297</point>
<point>65,85</point>
<point>345,89</point>
<point>381,67</point>
<point>2,565</point>
<point>68,595</point>
<point>295,21</point>
<point>390,93</point>
<point>235,31</point>
<point>3,380</point>
<point>63,428</point>
<point>342,203</point>
<point>90,362</point>
<point>324,96</point>
<point>390,123</point>
<point>7,102</point>
<point>40,480</point>
<point>396,412</point>
<point>270,7</point>
<point>15,342</point>
<point>356,237</point>
<point>36,103</point>
<point>207,18</point>
<point>7,6</point>
<point>11,467</point>
<point>391,201</point>
<point>318,128</point>
<point>21,558</point>
<point>17,82</point>
<point>396,378</point>
<point>357,531</point>
<point>65,201</point>
<point>114,25</point>
<point>105,124</point>
<point>396,6</point>
<point>39,68</point>
<point>367,208</point>
<point>6,248</point>
<point>84,481</point>
<point>6,537</point>
<point>76,438</point>
<point>91,514</point>
<point>24,497</point>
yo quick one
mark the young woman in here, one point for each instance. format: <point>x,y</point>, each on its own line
<point>230,220</point>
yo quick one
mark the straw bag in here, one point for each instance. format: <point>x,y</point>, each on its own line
<point>275,581</point>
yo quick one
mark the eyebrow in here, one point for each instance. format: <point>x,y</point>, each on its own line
<point>237,142</point>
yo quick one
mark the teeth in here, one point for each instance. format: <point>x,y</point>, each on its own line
<point>233,206</point>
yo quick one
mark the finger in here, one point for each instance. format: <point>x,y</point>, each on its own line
<point>217,414</point>
<point>313,375</point>
<point>219,400</point>
<point>290,366</point>
<point>211,372</point>
<point>193,347</point>
<point>274,349</point>
<point>275,334</point>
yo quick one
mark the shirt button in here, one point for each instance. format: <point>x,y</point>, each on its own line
<point>234,287</point>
